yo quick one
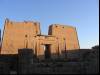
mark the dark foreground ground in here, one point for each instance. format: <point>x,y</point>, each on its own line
<point>83,61</point>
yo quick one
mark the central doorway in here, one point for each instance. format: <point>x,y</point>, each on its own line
<point>47,51</point>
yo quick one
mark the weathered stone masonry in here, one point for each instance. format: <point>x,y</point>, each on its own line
<point>27,34</point>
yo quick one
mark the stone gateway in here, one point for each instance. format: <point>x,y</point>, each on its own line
<point>27,34</point>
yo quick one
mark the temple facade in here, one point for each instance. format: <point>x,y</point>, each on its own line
<point>27,34</point>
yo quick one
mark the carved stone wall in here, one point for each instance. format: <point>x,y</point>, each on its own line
<point>27,34</point>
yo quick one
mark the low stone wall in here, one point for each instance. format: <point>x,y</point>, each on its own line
<point>4,68</point>
<point>87,63</point>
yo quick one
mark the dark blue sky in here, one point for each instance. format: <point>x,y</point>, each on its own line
<point>83,14</point>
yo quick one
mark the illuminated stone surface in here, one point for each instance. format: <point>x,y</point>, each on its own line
<point>27,34</point>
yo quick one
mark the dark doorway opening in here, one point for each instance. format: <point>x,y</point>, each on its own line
<point>47,51</point>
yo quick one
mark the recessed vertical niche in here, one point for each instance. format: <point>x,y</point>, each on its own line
<point>26,36</point>
<point>26,41</point>
<point>56,26</point>
<point>35,23</point>
<point>63,27</point>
